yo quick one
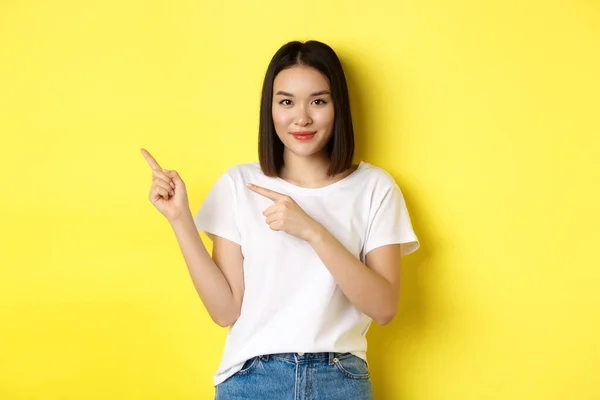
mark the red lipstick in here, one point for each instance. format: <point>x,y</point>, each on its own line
<point>303,135</point>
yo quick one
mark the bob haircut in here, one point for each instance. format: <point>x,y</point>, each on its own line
<point>320,56</point>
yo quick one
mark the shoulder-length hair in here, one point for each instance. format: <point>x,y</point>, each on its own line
<point>320,56</point>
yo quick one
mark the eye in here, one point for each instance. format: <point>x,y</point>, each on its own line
<point>320,102</point>
<point>286,102</point>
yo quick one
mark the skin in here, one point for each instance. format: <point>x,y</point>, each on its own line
<point>301,102</point>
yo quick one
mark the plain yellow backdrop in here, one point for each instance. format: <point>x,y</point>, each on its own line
<point>486,113</point>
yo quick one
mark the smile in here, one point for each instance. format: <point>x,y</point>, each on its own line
<point>303,135</point>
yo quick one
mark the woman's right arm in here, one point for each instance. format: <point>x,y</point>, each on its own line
<point>219,280</point>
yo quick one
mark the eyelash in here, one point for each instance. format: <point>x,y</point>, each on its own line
<point>282,102</point>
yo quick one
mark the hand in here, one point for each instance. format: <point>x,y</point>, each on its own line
<point>167,193</point>
<point>286,215</point>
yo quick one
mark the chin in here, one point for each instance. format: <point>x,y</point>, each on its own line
<point>304,150</point>
<point>305,153</point>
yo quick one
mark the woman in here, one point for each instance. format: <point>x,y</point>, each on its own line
<point>306,245</point>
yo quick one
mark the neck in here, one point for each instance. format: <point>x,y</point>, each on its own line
<point>310,172</point>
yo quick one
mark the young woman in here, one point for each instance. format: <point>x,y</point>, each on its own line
<point>306,245</point>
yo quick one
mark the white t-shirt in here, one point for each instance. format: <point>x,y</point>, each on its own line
<point>291,302</point>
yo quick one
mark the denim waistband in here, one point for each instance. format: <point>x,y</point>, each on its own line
<point>300,357</point>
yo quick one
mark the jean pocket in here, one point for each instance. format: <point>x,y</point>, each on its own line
<point>352,366</point>
<point>248,366</point>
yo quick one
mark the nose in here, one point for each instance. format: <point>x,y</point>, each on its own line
<point>303,117</point>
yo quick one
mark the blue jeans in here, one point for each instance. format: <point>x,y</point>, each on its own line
<point>299,376</point>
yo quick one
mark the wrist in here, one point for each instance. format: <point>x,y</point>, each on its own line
<point>183,220</point>
<point>316,234</point>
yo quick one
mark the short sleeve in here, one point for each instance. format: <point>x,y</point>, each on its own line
<point>216,215</point>
<point>391,224</point>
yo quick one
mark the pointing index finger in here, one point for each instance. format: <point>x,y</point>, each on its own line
<point>268,193</point>
<point>151,161</point>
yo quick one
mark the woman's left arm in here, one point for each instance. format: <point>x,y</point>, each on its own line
<point>373,288</point>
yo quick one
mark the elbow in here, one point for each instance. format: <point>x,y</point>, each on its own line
<point>384,320</point>
<point>225,321</point>
<point>385,317</point>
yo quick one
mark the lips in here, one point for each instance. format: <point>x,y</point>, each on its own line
<point>305,135</point>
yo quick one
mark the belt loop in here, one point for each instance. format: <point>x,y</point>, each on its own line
<point>264,357</point>
<point>331,357</point>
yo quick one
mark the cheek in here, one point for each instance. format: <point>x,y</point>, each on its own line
<point>280,119</point>
<point>326,117</point>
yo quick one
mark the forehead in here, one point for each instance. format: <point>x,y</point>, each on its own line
<point>299,79</point>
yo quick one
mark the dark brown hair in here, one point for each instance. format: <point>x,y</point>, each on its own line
<point>320,56</point>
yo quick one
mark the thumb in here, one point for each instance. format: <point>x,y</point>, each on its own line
<point>175,177</point>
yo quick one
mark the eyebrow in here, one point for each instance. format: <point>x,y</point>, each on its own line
<point>319,93</point>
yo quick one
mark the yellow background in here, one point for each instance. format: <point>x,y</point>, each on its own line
<point>486,113</point>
